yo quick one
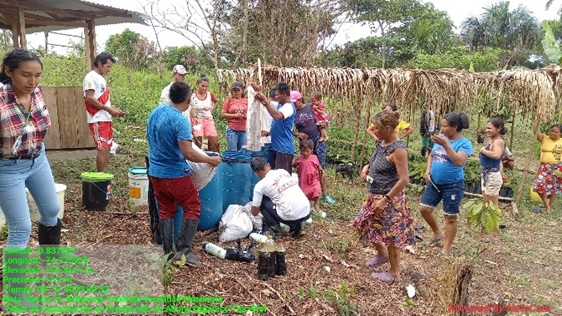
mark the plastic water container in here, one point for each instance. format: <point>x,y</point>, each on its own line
<point>254,178</point>
<point>138,185</point>
<point>96,190</point>
<point>236,174</point>
<point>211,197</point>
<point>535,197</point>
<point>34,212</point>
<point>269,153</point>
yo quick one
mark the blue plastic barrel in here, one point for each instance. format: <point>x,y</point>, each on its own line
<point>255,179</point>
<point>236,174</point>
<point>211,201</point>
<point>269,153</point>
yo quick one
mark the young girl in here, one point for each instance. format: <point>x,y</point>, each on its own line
<point>203,103</point>
<point>322,118</point>
<point>309,171</point>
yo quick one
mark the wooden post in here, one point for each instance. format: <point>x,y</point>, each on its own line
<point>15,35</point>
<point>90,43</point>
<point>512,132</point>
<point>21,20</point>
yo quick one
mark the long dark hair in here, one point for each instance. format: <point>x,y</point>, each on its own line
<point>13,59</point>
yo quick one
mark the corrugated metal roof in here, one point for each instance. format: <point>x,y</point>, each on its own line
<point>109,15</point>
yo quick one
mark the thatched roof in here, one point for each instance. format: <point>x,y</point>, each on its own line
<point>528,92</point>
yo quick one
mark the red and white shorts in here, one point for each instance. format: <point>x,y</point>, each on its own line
<point>103,134</point>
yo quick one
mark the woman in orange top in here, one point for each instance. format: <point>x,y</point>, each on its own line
<point>548,182</point>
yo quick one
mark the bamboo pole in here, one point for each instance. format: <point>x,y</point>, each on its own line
<point>512,132</point>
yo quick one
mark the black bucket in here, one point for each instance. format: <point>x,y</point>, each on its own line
<point>96,190</point>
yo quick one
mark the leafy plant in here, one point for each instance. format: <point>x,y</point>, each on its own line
<point>484,214</point>
<point>550,45</point>
<point>472,172</point>
<point>417,171</point>
<point>342,299</point>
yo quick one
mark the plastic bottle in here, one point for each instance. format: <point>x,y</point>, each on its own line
<point>259,238</point>
<point>272,247</point>
<point>264,258</point>
<point>214,250</point>
<point>280,259</point>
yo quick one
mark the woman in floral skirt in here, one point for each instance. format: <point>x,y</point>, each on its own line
<point>385,219</point>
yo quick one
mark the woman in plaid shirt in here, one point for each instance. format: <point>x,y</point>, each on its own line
<point>24,122</point>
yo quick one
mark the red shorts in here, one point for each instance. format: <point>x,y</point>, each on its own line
<point>206,128</point>
<point>103,134</point>
<point>181,191</point>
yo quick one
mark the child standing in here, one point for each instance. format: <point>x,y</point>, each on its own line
<point>309,171</point>
<point>322,118</point>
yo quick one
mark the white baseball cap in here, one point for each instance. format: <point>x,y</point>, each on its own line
<point>179,69</point>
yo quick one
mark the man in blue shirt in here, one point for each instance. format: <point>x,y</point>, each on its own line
<point>283,115</point>
<point>170,144</point>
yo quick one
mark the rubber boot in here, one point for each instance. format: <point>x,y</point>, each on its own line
<point>49,241</point>
<point>21,271</point>
<point>167,234</point>
<point>185,241</point>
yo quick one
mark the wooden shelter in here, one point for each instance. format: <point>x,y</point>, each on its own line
<point>69,128</point>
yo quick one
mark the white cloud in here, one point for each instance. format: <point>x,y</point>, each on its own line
<point>457,10</point>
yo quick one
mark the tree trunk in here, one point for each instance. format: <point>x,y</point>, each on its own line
<point>383,52</point>
<point>245,33</point>
<point>462,289</point>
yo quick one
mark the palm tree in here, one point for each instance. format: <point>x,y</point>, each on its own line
<point>517,31</point>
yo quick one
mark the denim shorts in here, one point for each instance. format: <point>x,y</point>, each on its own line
<point>451,194</point>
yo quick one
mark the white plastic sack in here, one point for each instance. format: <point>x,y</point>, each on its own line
<point>202,172</point>
<point>237,222</point>
<point>257,221</point>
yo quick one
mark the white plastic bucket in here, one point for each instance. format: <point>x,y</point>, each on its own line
<point>34,212</point>
<point>2,220</point>
<point>138,185</point>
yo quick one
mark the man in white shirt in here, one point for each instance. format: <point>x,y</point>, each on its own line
<point>99,111</point>
<point>178,74</point>
<point>279,198</point>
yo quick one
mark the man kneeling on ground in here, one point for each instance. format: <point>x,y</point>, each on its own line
<point>279,198</point>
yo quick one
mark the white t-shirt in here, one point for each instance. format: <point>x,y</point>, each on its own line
<point>287,110</point>
<point>284,191</point>
<point>165,95</point>
<point>96,82</point>
<point>202,107</point>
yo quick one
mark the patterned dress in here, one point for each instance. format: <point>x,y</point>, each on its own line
<point>394,225</point>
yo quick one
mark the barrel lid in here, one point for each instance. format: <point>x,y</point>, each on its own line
<point>137,170</point>
<point>96,176</point>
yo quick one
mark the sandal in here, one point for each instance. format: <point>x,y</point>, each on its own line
<point>385,277</point>
<point>537,210</point>
<point>377,261</point>
<point>435,241</point>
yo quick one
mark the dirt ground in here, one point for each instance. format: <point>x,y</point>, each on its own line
<point>326,271</point>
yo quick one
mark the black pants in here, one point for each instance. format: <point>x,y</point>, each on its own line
<point>283,161</point>
<point>271,218</point>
